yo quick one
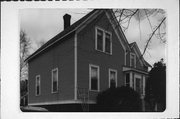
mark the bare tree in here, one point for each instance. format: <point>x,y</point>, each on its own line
<point>124,17</point>
<point>25,46</point>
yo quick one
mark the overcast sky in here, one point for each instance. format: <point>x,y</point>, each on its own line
<point>43,24</point>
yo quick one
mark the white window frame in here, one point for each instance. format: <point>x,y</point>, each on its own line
<point>134,60</point>
<point>113,70</point>
<point>55,69</point>
<point>98,73</point>
<point>104,39</point>
<point>38,76</point>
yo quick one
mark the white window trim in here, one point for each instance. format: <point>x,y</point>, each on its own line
<point>91,65</point>
<point>104,32</point>
<point>134,59</point>
<point>55,69</point>
<point>115,76</point>
<point>39,85</point>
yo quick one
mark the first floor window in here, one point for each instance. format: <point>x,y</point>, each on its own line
<point>54,80</point>
<point>112,78</point>
<point>127,81</point>
<point>38,83</point>
<point>94,77</point>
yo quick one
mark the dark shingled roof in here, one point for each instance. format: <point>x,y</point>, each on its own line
<point>61,34</point>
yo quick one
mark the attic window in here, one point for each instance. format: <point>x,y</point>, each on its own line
<point>132,60</point>
<point>103,41</point>
<point>99,40</point>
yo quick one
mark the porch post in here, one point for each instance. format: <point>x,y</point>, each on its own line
<point>144,85</point>
<point>143,93</point>
<point>131,80</point>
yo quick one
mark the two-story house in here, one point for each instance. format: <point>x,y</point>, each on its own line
<point>87,57</point>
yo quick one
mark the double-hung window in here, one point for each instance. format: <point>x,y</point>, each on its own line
<point>55,80</point>
<point>94,78</point>
<point>112,78</point>
<point>38,85</point>
<point>132,60</point>
<point>103,41</point>
<point>99,40</point>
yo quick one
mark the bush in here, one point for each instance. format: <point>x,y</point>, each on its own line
<point>119,99</point>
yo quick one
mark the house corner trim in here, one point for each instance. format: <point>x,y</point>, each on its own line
<point>75,66</point>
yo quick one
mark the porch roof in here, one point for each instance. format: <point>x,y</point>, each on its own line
<point>126,69</point>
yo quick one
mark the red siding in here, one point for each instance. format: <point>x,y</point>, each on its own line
<point>60,56</point>
<point>86,54</point>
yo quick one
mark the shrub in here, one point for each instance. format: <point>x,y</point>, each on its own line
<point>119,99</point>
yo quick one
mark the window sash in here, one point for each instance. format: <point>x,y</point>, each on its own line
<point>112,78</point>
<point>99,40</point>
<point>38,83</point>
<point>54,80</point>
<point>103,41</point>
<point>94,78</point>
<point>107,43</point>
<point>132,60</point>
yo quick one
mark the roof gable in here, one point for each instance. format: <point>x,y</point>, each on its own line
<point>62,34</point>
<point>135,47</point>
<point>80,24</point>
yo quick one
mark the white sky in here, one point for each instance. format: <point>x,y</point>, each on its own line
<point>43,24</point>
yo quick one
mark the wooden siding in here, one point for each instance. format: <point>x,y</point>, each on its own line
<point>86,54</point>
<point>60,56</point>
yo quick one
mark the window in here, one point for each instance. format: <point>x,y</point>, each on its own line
<point>132,60</point>
<point>99,40</point>
<point>103,41</point>
<point>127,81</point>
<point>108,43</point>
<point>94,78</point>
<point>112,78</point>
<point>55,80</point>
<point>38,84</point>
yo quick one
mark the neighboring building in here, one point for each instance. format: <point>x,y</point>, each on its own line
<point>89,56</point>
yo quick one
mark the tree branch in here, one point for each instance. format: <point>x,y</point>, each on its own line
<point>152,35</point>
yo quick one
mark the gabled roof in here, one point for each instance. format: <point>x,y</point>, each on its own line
<point>61,34</point>
<point>134,45</point>
<point>75,26</point>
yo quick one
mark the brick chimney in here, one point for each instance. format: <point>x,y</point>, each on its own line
<point>67,20</point>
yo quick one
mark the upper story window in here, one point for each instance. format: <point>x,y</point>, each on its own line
<point>38,85</point>
<point>99,40</point>
<point>132,60</point>
<point>94,78</point>
<point>103,41</point>
<point>55,80</point>
<point>112,78</point>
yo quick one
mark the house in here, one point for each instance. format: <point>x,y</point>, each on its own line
<point>87,57</point>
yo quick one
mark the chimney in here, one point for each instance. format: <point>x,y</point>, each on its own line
<point>67,20</point>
